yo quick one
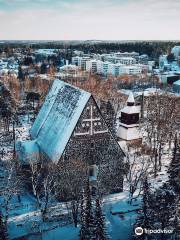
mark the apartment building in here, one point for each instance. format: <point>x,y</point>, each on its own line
<point>80,61</point>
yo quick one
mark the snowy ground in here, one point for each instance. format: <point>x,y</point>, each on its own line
<point>25,219</point>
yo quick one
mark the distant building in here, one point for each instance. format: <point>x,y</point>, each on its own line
<point>80,61</point>
<point>128,128</point>
<point>163,62</point>
<point>122,60</point>
<point>131,70</point>
<point>91,66</point>
<point>169,78</point>
<point>107,68</point>
<point>127,54</point>
<point>103,67</point>
<point>176,51</point>
<point>176,87</point>
<point>143,59</point>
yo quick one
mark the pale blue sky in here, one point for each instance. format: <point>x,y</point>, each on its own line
<point>85,19</point>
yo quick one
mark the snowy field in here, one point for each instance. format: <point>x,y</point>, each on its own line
<point>25,219</point>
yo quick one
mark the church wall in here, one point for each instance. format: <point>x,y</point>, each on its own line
<point>93,143</point>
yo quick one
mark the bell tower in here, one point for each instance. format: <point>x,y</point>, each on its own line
<point>128,128</point>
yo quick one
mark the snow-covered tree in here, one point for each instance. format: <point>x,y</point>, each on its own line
<point>160,123</point>
<point>87,231</point>
<point>43,180</point>
<point>11,186</point>
<point>146,199</point>
<point>3,229</point>
<point>137,171</point>
<point>144,218</point>
<point>100,224</point>
<point>174,169</point>
<point>158,211</point>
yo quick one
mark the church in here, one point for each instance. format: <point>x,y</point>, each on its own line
<point>71,126</point>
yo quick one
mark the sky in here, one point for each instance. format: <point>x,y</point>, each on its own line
<point>89,19</point>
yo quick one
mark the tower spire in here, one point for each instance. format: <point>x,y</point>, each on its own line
<point>130,101</point>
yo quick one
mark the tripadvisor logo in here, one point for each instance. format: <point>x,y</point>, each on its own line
<point>139,231</point>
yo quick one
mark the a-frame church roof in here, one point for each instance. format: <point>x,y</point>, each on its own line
<point>58,117</point>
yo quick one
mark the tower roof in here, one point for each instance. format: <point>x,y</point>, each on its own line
<point>130,98</point>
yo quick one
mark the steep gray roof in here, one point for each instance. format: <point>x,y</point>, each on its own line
<point>58,118</point>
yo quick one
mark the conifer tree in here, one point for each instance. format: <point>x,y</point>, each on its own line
<point>174,169</point>
<point>147,197</point>
<point>145,218</point>
<point>87,216</point>
<point>100,226</point>
<point>3,230</point>
<point>83,225</point>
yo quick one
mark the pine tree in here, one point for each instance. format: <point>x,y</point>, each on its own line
<point>87,217</point>
<point>174,169</point>
<point>3,230</point>
<point>83,225</point>
<point>100,229</point>
<point>164,206</point>
<point>145,218</point>
<point>147,197</point>
<point>174,184</point>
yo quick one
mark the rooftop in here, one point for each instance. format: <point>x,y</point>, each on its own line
<point>58,118</point>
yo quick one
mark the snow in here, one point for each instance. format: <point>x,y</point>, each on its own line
<point>120,217</point>
<point>27,151</point>
<point>177,82</point>
<point>46,51</point>
<point>58,118</point>
<point>67,232</point>
<point>131,109</point>
<point>131,98</point>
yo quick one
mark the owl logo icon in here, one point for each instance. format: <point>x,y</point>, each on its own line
<point>138,231</point>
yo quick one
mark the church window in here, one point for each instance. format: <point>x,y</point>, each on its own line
<point>91,171</point>
<point>92,144</point>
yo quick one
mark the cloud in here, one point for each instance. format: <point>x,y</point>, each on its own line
<point>95,19</point>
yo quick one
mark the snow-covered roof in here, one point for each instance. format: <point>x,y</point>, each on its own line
<point>131,109</point>
<point>58,118</point>
<point>177,82</point>
<point>70,66</point>
<point>46,51</point>
<point>130,98</point>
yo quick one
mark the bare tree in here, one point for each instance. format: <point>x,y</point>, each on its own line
<point>10,186</point>
<point>160,124</point>
<point>137,171</point>
<point>43,180</point>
